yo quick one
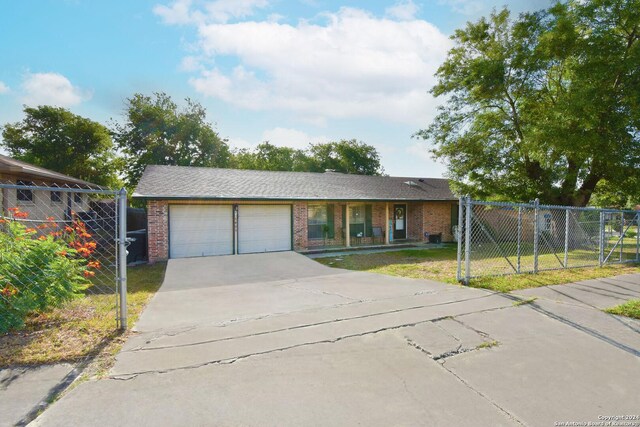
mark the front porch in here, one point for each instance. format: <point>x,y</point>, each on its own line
<point>345,225</point>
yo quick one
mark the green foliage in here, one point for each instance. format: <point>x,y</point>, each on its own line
<point>545,105</point>
<point>269,157</point>
<point>56,139</point>
<point>345,156</point>
<point>625,195</point>
<point>36,273</point>
<point>157,132</point>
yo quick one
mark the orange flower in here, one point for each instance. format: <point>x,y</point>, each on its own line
<point>30,230</point>
<point>62,253</point>
<point>51,219</point>
<point>93,264</point>
<point>88,273</point>
<point>2,221</point>
<point>21,215</point>
<point>42,238</point>
<point>14,210</point>
<point>68,229</point>
<point>84,252</point>
<point>43,226</point>
<point>9,291</point>
<point>92,245</point>
<point>85,235</point>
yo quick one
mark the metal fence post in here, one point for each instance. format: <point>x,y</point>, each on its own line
<point>638,236</point>
<point>467,241</point>
<point>536,234</point>
<point>460,228</point>
<point>566,238</point>
<point>601,249</point>
<point>122,256</point>
<point>519,237</point>
<point>621,236</point>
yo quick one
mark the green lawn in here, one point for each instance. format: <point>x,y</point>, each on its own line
<point>83,327</point>
<point>629,309</point>
<point>440,264</point>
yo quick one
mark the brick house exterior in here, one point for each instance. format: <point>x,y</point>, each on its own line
<point>376,202</point>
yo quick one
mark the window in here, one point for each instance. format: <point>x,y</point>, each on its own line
<point>77,198</point>
<point>56,197</point>
<point>25,195</point>
<point>318,221</point>
<point>360,221</point>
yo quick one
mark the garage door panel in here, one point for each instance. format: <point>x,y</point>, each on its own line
<point>264,228</point>
<point>200,230</point>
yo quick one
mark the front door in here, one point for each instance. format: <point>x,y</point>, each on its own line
<point>400,221</point>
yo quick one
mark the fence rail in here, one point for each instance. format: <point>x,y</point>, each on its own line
<point>498,238</point>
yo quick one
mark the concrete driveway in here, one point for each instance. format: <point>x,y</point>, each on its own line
<point>280,340</point>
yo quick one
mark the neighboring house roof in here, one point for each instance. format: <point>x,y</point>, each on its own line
<point>23,170</point>
<point>181,182</point>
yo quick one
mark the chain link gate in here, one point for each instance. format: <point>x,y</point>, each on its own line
<point>62,245</point>
<point>498,238</point>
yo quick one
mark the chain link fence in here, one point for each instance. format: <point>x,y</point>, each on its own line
<point>61,247</point>
<point>496,238</point>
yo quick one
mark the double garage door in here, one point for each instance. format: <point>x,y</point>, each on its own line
<point>205,230</point>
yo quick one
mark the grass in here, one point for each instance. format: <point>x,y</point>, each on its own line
<point>440,264</point>
<point>81,328</point>
<point>629,309</point>
<point>487,344</point>
<point>524,302</point>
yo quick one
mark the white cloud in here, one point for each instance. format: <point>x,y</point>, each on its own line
<point>4,88</point>
<point>182,12</point>
<point>352,65</point>
<point>286,137</point>
<point>190,63</point>
<point>466,7</point>
<point>51,89</point>
<point>403,11</point>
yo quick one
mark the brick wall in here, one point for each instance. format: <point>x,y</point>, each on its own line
<point>415,221</point>
<point>437,219</point>
<point>158,230</point>
<point>300,240</point>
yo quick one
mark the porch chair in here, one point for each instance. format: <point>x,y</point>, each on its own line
<point>378,235</point>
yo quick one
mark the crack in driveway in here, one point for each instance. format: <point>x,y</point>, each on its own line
<point>230,360</point>
<point>308,325</point>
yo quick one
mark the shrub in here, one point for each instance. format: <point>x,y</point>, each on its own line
<point>41,268</point>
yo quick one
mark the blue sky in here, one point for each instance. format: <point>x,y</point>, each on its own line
<point>291,72</point>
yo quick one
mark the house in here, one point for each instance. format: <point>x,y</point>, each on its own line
<point>40,203</point>
<point>196,211</point>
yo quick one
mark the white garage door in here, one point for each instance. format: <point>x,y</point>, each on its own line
<point>200,230</point>
<point>264,228</point>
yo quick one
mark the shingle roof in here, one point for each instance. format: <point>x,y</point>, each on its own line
<point>181,182</point>
<point>11,166</point>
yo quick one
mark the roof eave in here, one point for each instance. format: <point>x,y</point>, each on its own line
<point>287,199</point>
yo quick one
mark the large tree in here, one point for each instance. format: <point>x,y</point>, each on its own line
<point>545,105</point>
<point>157,132</point>
<point>56,139</point>
<point>267,156</point>
<point>345,156</point>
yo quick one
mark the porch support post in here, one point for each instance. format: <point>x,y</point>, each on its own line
<point>348,232</point>
<point>386,223</point>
